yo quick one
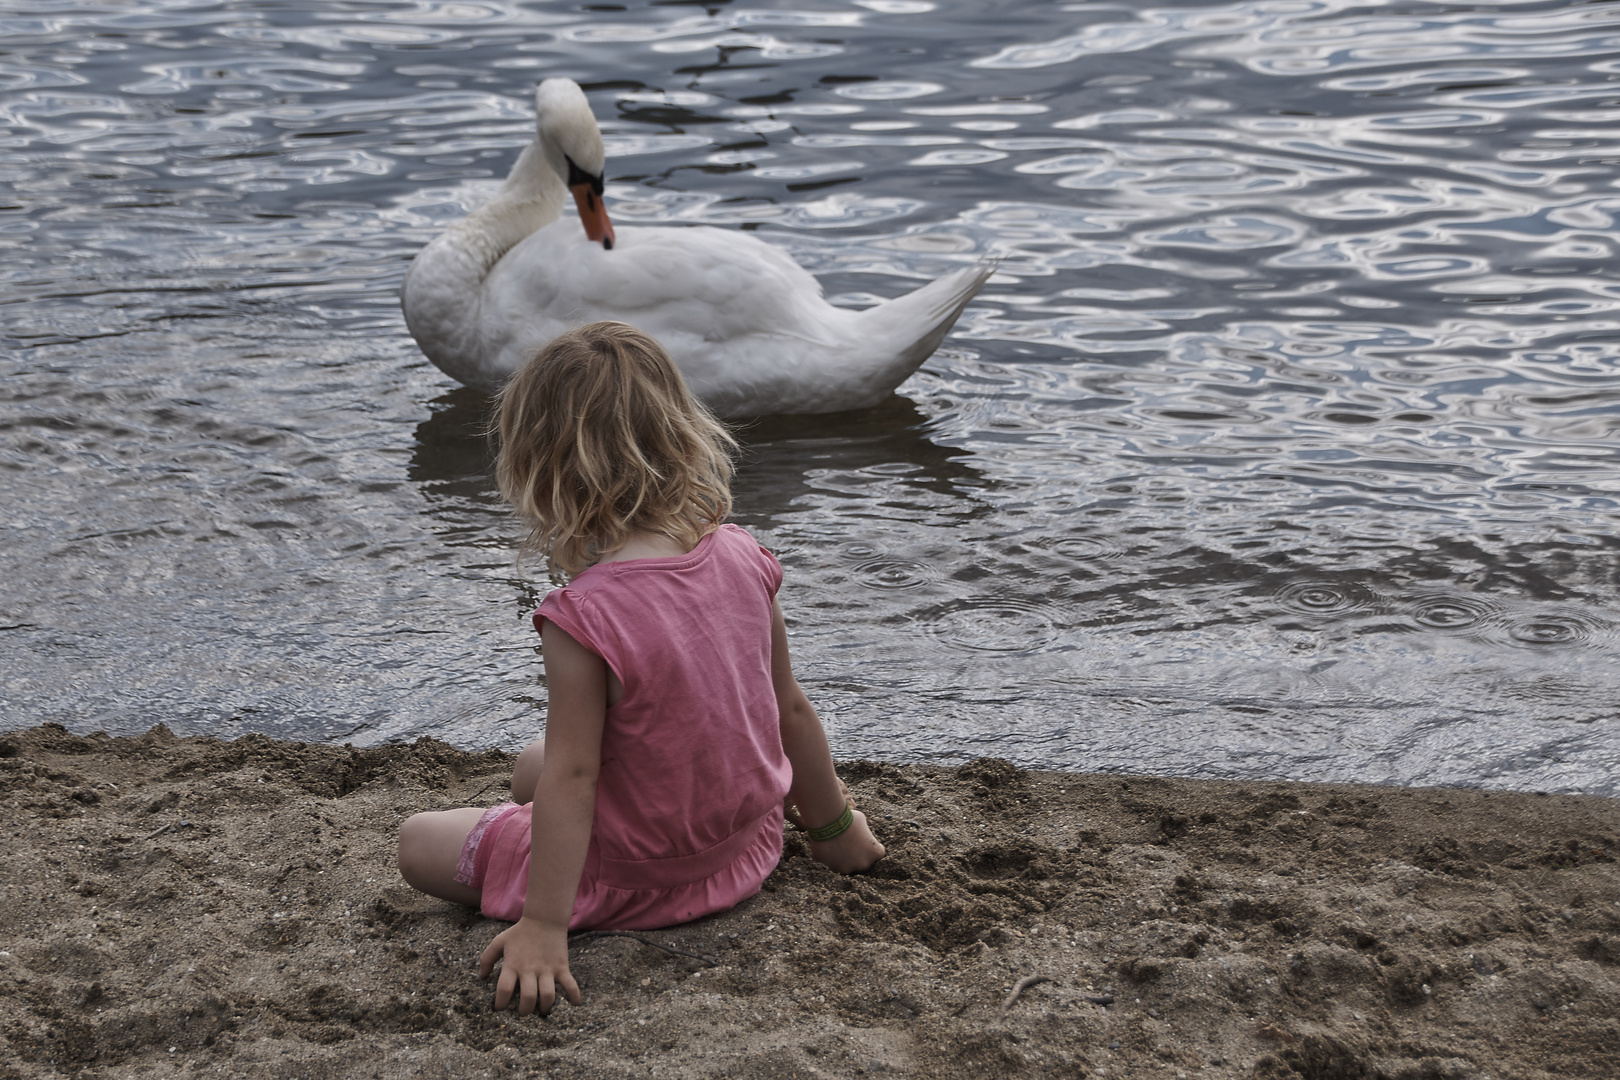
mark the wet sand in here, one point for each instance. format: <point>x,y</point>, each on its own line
<point>191,907</point>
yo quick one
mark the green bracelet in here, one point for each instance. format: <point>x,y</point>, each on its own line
<point>837,828</point>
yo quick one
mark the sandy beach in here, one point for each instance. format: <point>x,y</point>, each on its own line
<point>191,907</point>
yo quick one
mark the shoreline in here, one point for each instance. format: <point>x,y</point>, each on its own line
<point>180,905</point>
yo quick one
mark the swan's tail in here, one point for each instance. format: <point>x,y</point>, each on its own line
<point>911,327</point>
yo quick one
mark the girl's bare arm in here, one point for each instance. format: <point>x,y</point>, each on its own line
<point>534,951</point>
<point>816,790</point>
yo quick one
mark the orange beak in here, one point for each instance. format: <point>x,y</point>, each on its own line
<point>593,215</point>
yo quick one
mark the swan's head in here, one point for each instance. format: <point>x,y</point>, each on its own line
<point>572,144</point>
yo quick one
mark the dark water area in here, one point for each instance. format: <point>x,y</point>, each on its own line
<point>1282,444</point>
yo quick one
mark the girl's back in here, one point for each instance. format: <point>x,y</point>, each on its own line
<point>691,751</point>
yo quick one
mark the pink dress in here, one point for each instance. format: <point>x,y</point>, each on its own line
<point>689,797</point>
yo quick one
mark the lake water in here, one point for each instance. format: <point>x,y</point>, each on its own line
<point>1283,444</point>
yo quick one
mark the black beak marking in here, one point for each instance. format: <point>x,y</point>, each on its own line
<point>577,175</point>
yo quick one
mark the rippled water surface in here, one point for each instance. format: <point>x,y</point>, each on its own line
<point>1283,443</point>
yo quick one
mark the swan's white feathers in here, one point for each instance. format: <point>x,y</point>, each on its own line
<point>747,325</point>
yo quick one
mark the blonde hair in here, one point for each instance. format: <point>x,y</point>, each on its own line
<point>600,437</point>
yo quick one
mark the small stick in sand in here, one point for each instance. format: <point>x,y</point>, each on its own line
<point>1019,987</point>
<point>588,934</point>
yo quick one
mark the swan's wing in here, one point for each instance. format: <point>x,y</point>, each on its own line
<point>710,283</point>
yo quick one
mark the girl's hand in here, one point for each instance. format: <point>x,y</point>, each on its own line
<point>850,852</point>
<point>534,962</point>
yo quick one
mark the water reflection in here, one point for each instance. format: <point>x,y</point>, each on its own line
<point>784,458</point>
<point>453,452</point>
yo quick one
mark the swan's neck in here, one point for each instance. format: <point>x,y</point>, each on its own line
<point>531,199</point>
<point>444,288</point>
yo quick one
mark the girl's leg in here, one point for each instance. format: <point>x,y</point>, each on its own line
<point>526,772</point>
<point>430,844</point>
<point>430,849</point>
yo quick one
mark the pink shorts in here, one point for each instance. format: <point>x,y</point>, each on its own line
<point>638,895</point>
<point>481,842</point>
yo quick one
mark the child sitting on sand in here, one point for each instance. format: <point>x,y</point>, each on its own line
<point>675,730</point>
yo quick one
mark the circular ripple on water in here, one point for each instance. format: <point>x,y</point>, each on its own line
<point>1552,629</point>
<point>1452,612</point>
<point>1081,548</point>
<point>1328,598</point>
<point>1000,625</point>
<point>889,573</point>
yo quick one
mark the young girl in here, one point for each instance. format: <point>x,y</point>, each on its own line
<point>675,731</point>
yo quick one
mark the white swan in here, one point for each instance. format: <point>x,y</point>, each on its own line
<point>746,324</point>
